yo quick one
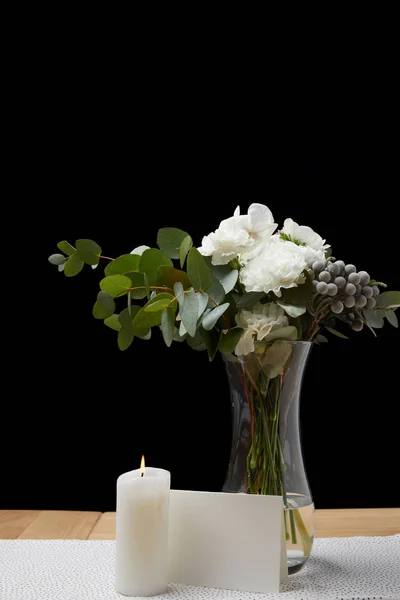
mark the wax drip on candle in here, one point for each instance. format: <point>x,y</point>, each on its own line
<point>142,467</point>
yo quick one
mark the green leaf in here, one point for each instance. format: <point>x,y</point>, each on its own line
<point>125,338</point>
<point>374,318</point>
<point>144,320</point>
<point>249,299</point>
<point>292,310</point>
<point>169,239</point>
<point>66,248</point>
<point>391,317</point>
<point>116,285</point>
<point>104,307</point>
<point>299,295</point>
<point>336,332</point>
<point>276,358</point>
<point>73,266</point>
<point>160,301</point>
<point>150,261</point>
<point>61,267</point>
<point>321,339</point>
<point>283,333</point>
<point>230,340</point>
<point>189,311</point>
<point>88,251</point>
<point>123,264</point>
<point>168,325</point>
<point>137,281</point>
<point>216,292</point>
<point>203,301</point>
<point>211,340</point>
<point>388,300</point>
<point>212,317</point>
<point>184,248</point>
<point>57,259</point>
<point>178,292</point>
<point>113,322</point>
<point>198,272</point>
<point>226,276</point>
<point>168,276</point>
<point>196,342</point>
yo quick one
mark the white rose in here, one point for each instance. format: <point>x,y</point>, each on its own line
<point>279,265</point>
<point>260,321</point>
<point>239,234</point>
<point>140,249</point>
<point>312,244</point>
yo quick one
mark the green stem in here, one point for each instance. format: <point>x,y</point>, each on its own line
<point>292,526</point>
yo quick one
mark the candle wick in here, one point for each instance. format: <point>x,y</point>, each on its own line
<point>141,474</point>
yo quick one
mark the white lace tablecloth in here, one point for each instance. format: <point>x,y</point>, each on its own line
<point>358,568</point>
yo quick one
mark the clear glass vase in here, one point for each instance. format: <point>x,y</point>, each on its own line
<point>266,455</point>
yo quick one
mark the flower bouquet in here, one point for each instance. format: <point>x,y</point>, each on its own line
<point>251,292</point>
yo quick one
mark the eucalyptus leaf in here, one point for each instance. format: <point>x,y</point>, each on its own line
<point>301,294</point>
<point>203,301</point>
<point>248,299</point>
<point>57,259</point>
<point>178,337</point>
<point>276,358</point>
<point>88,251</point>
<point>61,267</point>
<point>198,272</point>
<point>211,340</point>
<point>104,306</point>
<point>374,318</point>
<point>169,239</point>
<point>116,285</point>
<point>123,264</point>
<point>226,276</point>
<point>184,248</point>
<point>137,281</point>
<point>230,340</point>
<point>189,311</point>
<point>150,261</point>
<point>182,330</point>
<point>113,322</point>
<point>66,248</point>
<point>125,338</point>
<point>196,342</point>
<point>286,333</point>
<point>390,300</point>
<point>160,301</point>
<point>321,339</point>
<point>392,318</point>
<point>292,310</point>
<point>73,266</point>
<point>168,325</point>
<point>178,292</point>
<point>144,320</point>
<point>210,320</point>
<point>336,332</point>
<point>216,292</point>
<point>168,276</point>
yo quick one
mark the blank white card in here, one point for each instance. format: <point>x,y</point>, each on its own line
<point>228,541</point>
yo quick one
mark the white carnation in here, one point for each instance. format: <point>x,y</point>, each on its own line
<point>239,234</point>
<point>260,321</point>
<point>279,265</point>
<point>312,244</point>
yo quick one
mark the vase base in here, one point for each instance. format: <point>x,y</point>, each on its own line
<point>296,561</point>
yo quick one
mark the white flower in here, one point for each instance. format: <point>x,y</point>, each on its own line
<point>260,321</point>
<point>140,249</point>
<point>278,265</point>
<point>312,244</point>
<point>239,234</point>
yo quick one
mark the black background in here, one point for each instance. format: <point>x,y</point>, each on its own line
<point>116,154</point>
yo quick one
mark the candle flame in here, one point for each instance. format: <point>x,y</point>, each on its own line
<point>142,466</point>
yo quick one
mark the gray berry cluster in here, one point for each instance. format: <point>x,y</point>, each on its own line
<point>347,289</point>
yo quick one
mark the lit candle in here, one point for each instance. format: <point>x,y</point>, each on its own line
<point>141,562</point>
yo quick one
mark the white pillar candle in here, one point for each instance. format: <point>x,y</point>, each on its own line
<point>141,564</point>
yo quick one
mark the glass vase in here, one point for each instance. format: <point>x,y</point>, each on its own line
<point>266,455</point>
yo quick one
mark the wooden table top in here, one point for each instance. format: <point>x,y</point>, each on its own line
<point>80,525</point>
